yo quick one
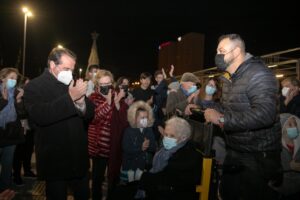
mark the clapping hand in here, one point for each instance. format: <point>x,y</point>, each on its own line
<point>118,97</point>
<point>20,95</point>
<point>4,92</point>
<point>290,95</point>
<point>78,91</point>
<point>146,144</point>
<point>108,97</point>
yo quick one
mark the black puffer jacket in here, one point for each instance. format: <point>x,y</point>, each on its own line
<point>249,104</point>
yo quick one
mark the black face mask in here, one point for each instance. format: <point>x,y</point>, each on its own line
<point>220,62</point>
<point>105,89</point>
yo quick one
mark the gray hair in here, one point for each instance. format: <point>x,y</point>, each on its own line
<point>181,126</point>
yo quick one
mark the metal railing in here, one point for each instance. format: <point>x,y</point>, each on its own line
<point>283,63</point>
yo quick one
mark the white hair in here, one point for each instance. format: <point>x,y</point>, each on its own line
<point>181,127</point>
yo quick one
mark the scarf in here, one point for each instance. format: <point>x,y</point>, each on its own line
<point>160,161</point>
<point>8,113</point>
<point>161,158</point>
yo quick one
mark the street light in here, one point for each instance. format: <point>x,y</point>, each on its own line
<point>60,46</point>
<point>27,13</point>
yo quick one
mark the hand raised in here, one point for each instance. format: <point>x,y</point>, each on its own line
<point>20,95</point>
<point>120,95</point>
<point>108,97</point>
<point>4,93</point>
<point>171,71</point>
<point>79,90</point>
<point>146,144</point>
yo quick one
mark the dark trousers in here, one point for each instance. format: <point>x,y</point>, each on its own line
<point>58,190</point>
<point>248,175</point>
<point>23,155</point>
<point>98,170</point>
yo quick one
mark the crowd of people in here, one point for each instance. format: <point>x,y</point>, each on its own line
<point>139,139</point>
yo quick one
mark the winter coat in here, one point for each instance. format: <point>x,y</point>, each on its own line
<point>61,143</point>
<point>178,179</point>
<point>176,101</point>
<point>249,103</point>
<point>99,132</point>
<point>160,95</point>
<point>291,178</point>
<point>120,123</point>
<point>293,106</point>
<point>133,156</point>
<point>13,132</point>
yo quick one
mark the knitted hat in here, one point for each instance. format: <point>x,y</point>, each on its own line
<point>189,77</point>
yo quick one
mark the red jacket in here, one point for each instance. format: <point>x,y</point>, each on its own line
<point>99,131</point>
<point>120,123</point>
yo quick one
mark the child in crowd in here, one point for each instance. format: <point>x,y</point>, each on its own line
<point>138,142</point>
<point>290,157</point>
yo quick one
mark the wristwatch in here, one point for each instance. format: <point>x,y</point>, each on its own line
<point>221,122</point>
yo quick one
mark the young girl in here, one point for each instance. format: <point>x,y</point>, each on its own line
<point>290,157</point>
<point>138,142</point>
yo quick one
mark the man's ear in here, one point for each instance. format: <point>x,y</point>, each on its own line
<point>238,50</point>
<point>52,65</point>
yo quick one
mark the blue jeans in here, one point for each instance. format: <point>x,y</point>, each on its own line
<point>6,162</point>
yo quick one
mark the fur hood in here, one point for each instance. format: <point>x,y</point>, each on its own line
<point>284,117</point>
<point>131,113</point>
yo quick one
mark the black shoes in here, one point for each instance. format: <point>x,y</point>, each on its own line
<point>29,174</point>
<point>18,181</point>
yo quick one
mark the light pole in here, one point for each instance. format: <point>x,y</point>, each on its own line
<point>27,13</point>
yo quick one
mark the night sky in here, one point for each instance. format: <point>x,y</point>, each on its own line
<point>131,31</point>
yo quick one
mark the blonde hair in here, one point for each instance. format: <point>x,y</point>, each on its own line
<point>101,73</point>
<point>6,71</point>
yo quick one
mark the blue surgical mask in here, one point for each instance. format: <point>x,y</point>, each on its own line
<point>11,83</point>
<point>209,90</point>
<point>169,143</point>
<point>192,90</point>
<point>292,133</point>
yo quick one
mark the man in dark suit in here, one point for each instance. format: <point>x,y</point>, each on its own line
<point>59,108</point>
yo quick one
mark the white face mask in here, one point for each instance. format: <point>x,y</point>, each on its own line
<point>144,122</point>
<point>285,91</point>
<point>65,77</point>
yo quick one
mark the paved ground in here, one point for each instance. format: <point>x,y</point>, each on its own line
<point>35,190</point>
